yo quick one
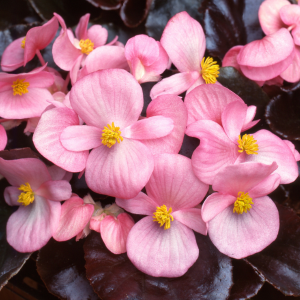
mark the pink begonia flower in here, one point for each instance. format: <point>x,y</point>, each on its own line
<point>38,198</point>
<point>184,41</point>
<point>24,95</point>
<point>110,103</point>
<point>70,53</point>
<point>3,138</point>
<point>173,193</point>
<point>146,57</point>
<point>222,146</point>
<point>22,50</point>
<point>242,219</point>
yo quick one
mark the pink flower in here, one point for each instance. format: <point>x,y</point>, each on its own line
<point>110,103</point>
<point>38,197</point>
<point>3,138</point>
<point>184,41</point>
<point>146,57</point>
<point>242,220</point>
<point>24,95</point>
<point>223,146</point>
<point>163,243</point>
<point>22,50</point>
<point>70,53</point>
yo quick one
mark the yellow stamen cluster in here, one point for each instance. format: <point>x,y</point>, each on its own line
<point>248,143</point>
<point>210,70</point>
<point>163,216</point>
<point>111,135</point>
<point>23,43</point>
<point>20,87</point>
<point>243,203</point>
<point>87,46</point>
<point>27,196</point>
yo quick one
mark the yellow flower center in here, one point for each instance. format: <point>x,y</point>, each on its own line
<point>248,143</point>
<point>27,196</point>
<point>20,87</point>
<point>242,203</point>
<point>210,70</point>
<point>111,135</point>
<point>87,46</point>
<point>23,43</point>
<point>163,216</point>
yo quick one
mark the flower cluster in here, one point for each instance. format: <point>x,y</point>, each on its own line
<point>96,128</point>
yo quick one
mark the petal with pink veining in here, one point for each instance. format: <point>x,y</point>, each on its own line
<point>292,73</point>
<point>174,184</point>
<point>241,235</point>
<point>98,35</point>
<point>184,40</point>
<point>57,190</point>
<point>114,232</point>
<point>230,58</point>
<point>162,253</point>
<point>46,139</point>
<point>120,171</point>
<point>107,96</point>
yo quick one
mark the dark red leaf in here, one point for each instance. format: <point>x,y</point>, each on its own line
<point>107,4</point>
<point>17,154</point>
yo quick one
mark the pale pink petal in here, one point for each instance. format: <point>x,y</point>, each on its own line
<point>198,82</point>
<point>241,235</point>
<point>290,14</point>
<point>230,58</point>
<point>215,204</point>
<point>81,137</point>
<point>3,138</point>
<point>81,29</point>
<point>74,217</point>
<point>293,149</point>
<point>241,177</point>
<point>20,171</point>
<point>170,106</point>
<point>149,128</point>
<point>31,125</point>
<point>267,58</point>
<point>46,139</point>
<point>162,253</point>
<point>216,150</point>
<point>29,105</point>
<point>296,35</point>
<point>233,118</point>
<point>31,227</point>
<point>269,16</point>
<point>208,101</point>
<point>114,232</point>
<point>11,195</point>
<point>38,38</point>
<point>13,56</point>
<point>75,69</point>
<point>184,40</point>
<point>98,35</point>
<point>248,123</point>
<point>137,69</point>
<point>175,84</point>
<point>107,96</point>
<point>272,148</point>
<point>95,223</point>
<point>106,57</point>
<point>57,190</point>
<point>58,173</point>
<point>174,184</point>
<point>292,73</point>
<point>192,218</point>
<point>39,79</point>
<point>266,187</point>
<point>141,204</point>
<point>120,171</point>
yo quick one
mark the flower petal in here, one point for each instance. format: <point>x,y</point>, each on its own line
<point>57,190</point>
<point>184,40</point>
<point>81,29</point>
<point>292,73</point>
<point>3,138</point>
<point>107,96</point>
<point>120,171</point>
<point>11,195</point>
<point>230,58</point>
<point>162,253</point>
<point>98,35</point>
<point>241,235</point>
<point>174,184</point>
<point>114,232</point>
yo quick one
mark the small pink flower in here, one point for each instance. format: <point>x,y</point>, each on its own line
<point>242,220</point>
<point>146,57</point>
<point>22,50</point>
<point>3,138</point>
<point>163,243</point>
<point>38,197</point>
<point>184,41</point>
<point>24,95</point>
